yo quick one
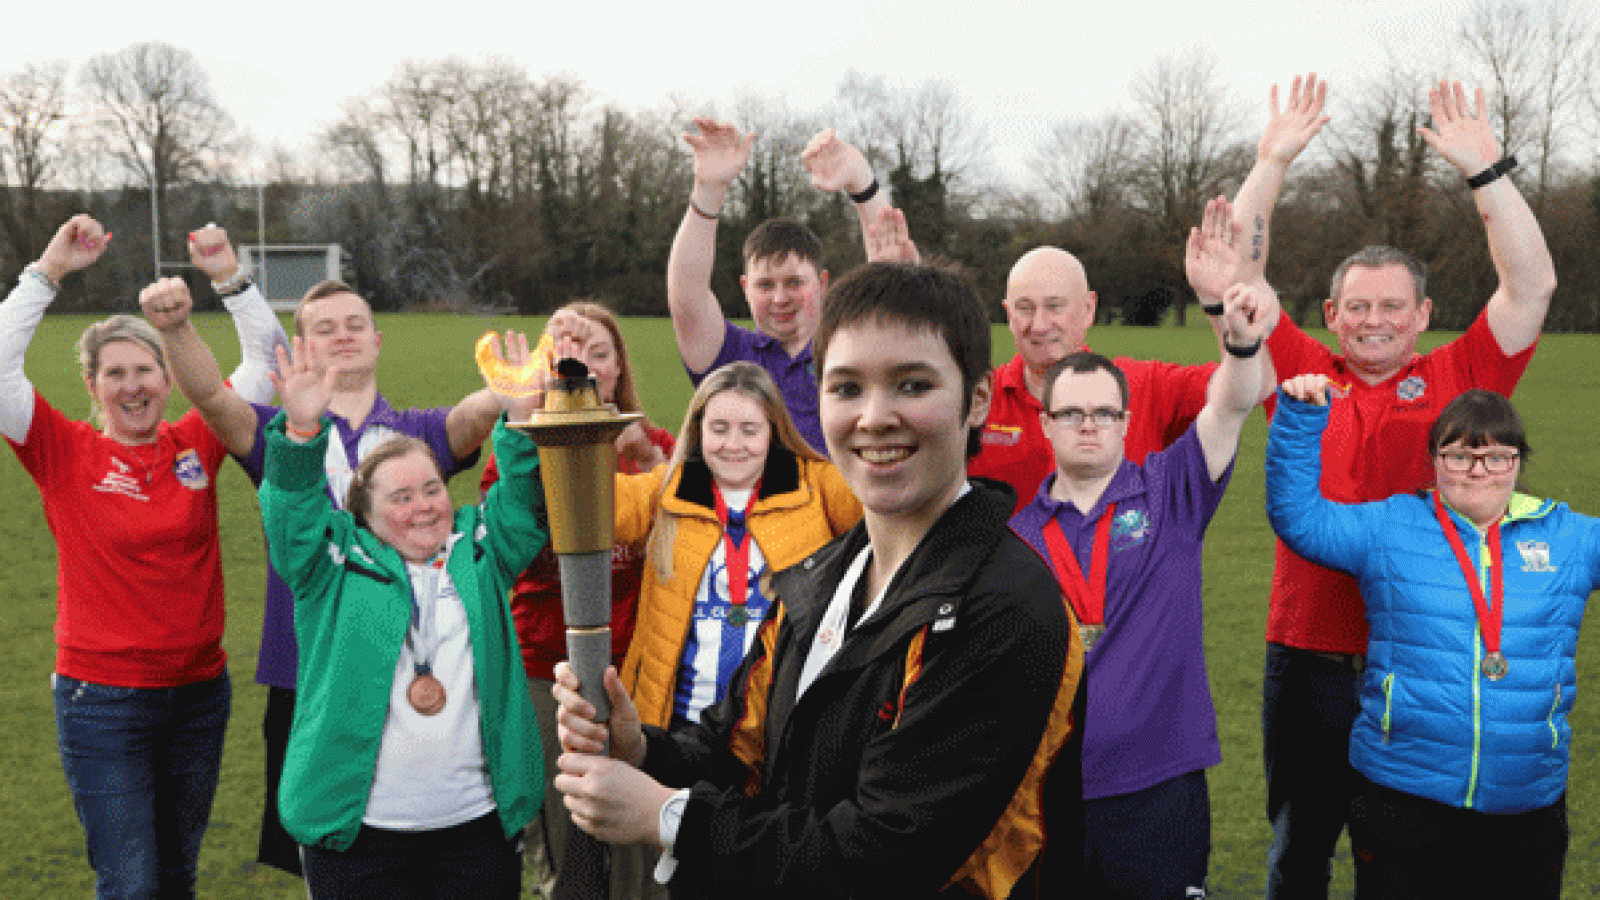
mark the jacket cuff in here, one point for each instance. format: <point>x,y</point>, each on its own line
<point>292,466</point>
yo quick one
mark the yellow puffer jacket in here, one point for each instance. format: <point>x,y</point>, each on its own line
<point>802,505</point>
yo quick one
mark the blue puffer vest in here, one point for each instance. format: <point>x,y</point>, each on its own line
<point>1431,723</point>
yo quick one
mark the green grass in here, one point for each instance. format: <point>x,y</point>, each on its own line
<point>427,361</point>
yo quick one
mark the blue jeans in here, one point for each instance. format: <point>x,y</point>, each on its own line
<point>1309,702</point>
<point>142,766</point>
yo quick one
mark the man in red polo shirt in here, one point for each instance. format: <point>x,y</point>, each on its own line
<point>1049,309</point>
<point>1375,446</point>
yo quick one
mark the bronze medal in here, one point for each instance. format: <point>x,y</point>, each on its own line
<point>1090,634</point>
<point>1495,666</point>
<point>738,616</point>
<point>426,695</point>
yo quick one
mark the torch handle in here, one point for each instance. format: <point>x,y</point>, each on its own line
<point>589,652</point>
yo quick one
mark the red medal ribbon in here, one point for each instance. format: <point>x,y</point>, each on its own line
<point>1088,598</point>
<point>1489,615</point>
<point>737,553</point>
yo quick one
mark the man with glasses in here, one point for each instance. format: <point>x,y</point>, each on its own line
<point>1049,309</point>
<point>1125,540</point>
<point>1374,446</point>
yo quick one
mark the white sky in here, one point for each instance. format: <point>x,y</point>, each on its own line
<point>282,69</point>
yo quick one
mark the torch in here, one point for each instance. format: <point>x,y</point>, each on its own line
<point>576,434</point>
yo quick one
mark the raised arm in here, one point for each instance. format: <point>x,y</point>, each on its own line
<point>167,305</point>
<point>1288,131</point>
<point>836,165</point>
<point>75,245</point>
<point>1236,386</point>
<point>260,332</point>
<point>1516,244</point>
<point>1213,260</point>
<point>720,152</point>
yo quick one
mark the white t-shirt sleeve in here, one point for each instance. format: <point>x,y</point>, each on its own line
<point>260,334</point>
<point>667,822</point>
<point>19,319</point>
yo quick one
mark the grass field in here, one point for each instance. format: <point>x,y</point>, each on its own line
<point>427,361</point>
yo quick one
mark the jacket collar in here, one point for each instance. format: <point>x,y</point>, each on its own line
<point>689,492</point>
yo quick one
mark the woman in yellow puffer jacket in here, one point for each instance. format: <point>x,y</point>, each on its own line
<point>743,496</point>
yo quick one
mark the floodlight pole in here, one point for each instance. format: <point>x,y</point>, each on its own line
<point>261,236</point>
<point>155,228</point>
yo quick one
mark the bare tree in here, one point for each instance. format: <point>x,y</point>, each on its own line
<point>157,114</point>
<point>33,103</point>
<point>1084,165</point>
<point>1189,147</point>
<point>1537,61</point>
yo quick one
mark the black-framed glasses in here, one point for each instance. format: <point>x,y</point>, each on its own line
<point>1495,462</point>
<point>1101,416</point>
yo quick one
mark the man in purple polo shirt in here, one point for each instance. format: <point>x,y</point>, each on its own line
<point>781,280</point>
<point>1125,540</point>
<point>340,333</point>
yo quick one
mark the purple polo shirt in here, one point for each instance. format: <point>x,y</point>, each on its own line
<point>1150,716</point>
<point>279,657</point>
<point>794,376</point>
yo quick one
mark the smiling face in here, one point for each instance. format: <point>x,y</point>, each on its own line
<point>1086,450</point>
<point>896,421</point>
<point>131,389</point>
<point>1049,306</point>
<point>410,506</point>
<point>1378,319</point>
<point>734,437</point>
<point>1477,493</point>
<point>784,294</point>
<point>340,334</point>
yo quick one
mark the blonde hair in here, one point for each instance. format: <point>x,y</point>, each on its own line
<point>127,328</point>
<point>745,378</point>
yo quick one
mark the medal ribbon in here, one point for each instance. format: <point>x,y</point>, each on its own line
<point>1490,615</point>
<point>736,543</point>
<point>420,636</point>
<point>1088,598</point>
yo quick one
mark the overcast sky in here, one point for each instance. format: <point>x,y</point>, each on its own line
<point>1021,66</point>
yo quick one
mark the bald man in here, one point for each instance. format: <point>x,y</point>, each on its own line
<point>1049,308</point>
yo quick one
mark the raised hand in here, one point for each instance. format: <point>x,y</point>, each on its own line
<point>634,444</point>
<point>304,391</point>
<point>166,303</point>
<point>580,733</point>
<point>720,151</point>
<point>1311,389</point>
<point>515,355</point>
<point>1460,135</point>
<point>889,240</point>
<point>1211,259</point>
<point>75,245</point>
<point>1244,315</point>
<point>1290,129</point>
<point>212,253</point>
<point>835,164</point>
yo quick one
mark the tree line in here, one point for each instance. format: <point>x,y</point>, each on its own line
<point>462,184</point>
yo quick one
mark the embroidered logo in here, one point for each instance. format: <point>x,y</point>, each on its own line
<point>190,471</point>
<point>1130,528</point>
<point>1411,388</point>
<point>1535,556</point>
<point>120,480</point>
<point>1001,435</point>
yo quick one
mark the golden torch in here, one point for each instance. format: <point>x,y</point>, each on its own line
<point>576,434</point>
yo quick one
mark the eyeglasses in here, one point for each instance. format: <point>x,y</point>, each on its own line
<point>1494,463</point>
<point>1101,416</point>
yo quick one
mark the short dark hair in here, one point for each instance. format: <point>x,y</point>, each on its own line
<point>942,300</point>
<point>358,499</point>
<point>776,238</point>
<point>1479,418</point>
<point>325,288</point>
<point>1375,256</point>
<point>1083,362</point>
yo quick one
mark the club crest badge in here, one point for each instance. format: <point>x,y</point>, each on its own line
<point>1535,556</point>
<point>1411,388</point>
<point>1001,435</point>
<point>1129,528</point>
<point>191,473</point>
